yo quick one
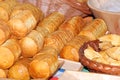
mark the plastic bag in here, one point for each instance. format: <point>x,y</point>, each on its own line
<point>67,7</point>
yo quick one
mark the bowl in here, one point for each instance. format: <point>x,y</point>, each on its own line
<point>94,66</point>
<point>111,17</point>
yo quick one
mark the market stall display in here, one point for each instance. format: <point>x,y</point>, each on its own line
<point>34,34</point>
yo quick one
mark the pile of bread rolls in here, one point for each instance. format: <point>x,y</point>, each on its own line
<point>31,43</point>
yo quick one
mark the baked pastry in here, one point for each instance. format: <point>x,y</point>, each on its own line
<point>71,49</point>
<point>65,33</point>
<point>91,31</point>
<point>14,47</point>
<point>51,23</point>
<point>6,7</point>
<point>44,64</point>
<point>95,29</point>
<point>114,39</point>
<point>3,73</point>
<point>33,42</point>
<point>20,69</point>
<point>4,32</point>
<point>6,58</point>
<point>20,7</point>
<point>73,25</point>
<point>24,18</point>
<point>101,56</point>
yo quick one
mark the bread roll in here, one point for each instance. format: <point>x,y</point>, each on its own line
<point>88,19</point>
<point>58,39</point>
<point>3,73</point>
<point>44,64</point>
<point>6,58</point>
<point>74,25</point>
<point>14,47</point>
<point>33,42</point>
<point>51,22</point>
<point>6,9</point>
<point>91,31</point>
<point>66,32</point>
<point>19,8</point>
<point>94,29</point>
<point>71,49</point>
<point>19,70</point>
<point>4,32</point>
<point>23,19</point>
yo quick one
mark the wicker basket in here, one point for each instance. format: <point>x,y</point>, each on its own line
<point>94,66</point>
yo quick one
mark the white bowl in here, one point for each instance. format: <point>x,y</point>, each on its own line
<point>111,18</point>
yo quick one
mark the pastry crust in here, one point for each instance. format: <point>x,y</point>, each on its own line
<point>4,32</point>
<point>3,73</point>
<point>114,39</point>
<point>71,49</point>
<point>22,24</point>
<point>24,18</point>
<point>20,69</point>
<point>95,29</point>
<point>20,7</point>
<point>65,33</point>
<point>51,23</point>
<point>6,8</point>
<point>33,42</point>
<point>114,53</point>
<point>14,47</point>
<point>6,61</point>
<point>91,31</point>
<point>44,64</point>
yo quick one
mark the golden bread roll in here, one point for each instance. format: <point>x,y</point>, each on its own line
<point>4,32</point>
<point>19,8</point>
<point>21,23</point>
<point>94,29</point>
<point>73,25</point>
<point>14,47</point>
<point>88,19</point>
<point>57,39</point>
<point>71,49</point>
<point>6,58</point>
<point>3,73</point>
<point>66,32</point>
<point>51,23</point>
<point>91,31</point>
<point>6,9</point>
<point>33,42</point>
<point>19,71</point>
<point>44,64</point>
